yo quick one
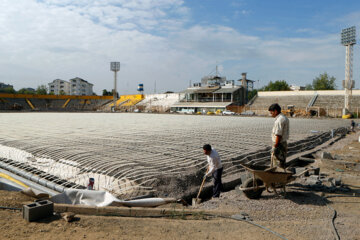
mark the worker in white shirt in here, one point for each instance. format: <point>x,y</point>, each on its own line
<point>280,135</point>
<point>215,169</point>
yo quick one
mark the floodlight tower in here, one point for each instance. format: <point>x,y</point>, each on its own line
<point>115,67</point>
<point>348,39</point>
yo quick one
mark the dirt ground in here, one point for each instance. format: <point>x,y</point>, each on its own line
<point>303,214</point>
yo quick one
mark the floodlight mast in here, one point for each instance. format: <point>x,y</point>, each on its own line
<point>348,39</point>
<point>115,67</point>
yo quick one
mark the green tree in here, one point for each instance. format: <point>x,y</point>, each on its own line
<point>106,93</point>
<point>62,92</point>
<point>324,82</point>
<point>41,90</point>
<point>279,85</point>
<point>309,87</point>
<point>25,91</point>
<point>7,90</point>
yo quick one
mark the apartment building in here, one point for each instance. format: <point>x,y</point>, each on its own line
<point>79,86</point>
<point>59,86</point>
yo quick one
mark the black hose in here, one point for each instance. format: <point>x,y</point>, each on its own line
<point>331,196</point>
<point>257,225</point>
<point>10,208</point>
<point>208,215</point>
<point>333,219</point>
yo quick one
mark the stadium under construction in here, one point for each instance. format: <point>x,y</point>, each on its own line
<point>126,153</point>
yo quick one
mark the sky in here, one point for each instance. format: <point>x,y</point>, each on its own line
<point>168,44</point>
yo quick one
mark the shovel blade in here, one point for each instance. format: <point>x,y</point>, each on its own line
<point>196,201</point>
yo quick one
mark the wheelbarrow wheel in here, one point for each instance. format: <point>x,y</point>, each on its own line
<point>253,193</point>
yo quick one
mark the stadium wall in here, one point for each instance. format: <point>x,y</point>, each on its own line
<point>305,93</point>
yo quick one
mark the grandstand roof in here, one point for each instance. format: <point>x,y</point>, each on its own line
<point>201,90</point>
<point>201,104</point>
<point>227,90</point>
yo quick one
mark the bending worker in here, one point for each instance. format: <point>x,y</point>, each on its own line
<point>215,169</point>
<point>280,135</point>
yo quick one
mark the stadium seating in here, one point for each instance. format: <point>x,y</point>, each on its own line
<point>262,102</point>
<point>158,102</point>
<point>335,101</point>
<point>51,104</point>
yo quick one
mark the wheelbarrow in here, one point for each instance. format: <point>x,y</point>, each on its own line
<point>267,178</point>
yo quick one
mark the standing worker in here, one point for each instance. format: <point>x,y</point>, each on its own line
<point>352,124</point>
<point>280,135</point>
<point>215,169</point>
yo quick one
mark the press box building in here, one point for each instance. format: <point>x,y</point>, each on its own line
<point>214,93</point>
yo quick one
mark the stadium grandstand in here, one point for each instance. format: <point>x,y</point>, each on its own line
<point>34,102</point>
<point>125,103</point>
<point>159,102</point>
<point>327,102</point>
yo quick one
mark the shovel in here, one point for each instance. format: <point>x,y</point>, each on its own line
<point>197,200</point>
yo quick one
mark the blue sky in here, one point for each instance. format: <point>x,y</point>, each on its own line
<point>173,42</point>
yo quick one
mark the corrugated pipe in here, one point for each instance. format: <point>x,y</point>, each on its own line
<point>32,177</point>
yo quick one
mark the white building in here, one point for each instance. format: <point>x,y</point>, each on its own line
<point>79,86</point>
<point>294,87</point>
<point>59,86</point>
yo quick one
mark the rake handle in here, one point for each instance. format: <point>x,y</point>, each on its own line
<point>201,187</point>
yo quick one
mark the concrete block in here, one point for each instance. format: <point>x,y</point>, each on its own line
<point>300,170</point>
<point>314,177</point>
<point>338,182</point>
<point>313,180</point>
<point>292,169</point>
<point>38,210</point>
<point>326,155</point>
<point>331,181</point>
<point>314,171</point>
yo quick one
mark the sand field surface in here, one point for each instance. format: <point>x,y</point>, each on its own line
<point>132,154</point>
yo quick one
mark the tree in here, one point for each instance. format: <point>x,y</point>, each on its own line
<point>7,90</point>
<point>106,93</point>
<point>62,92</point>
<point>25,91</point>
<point>309,87</point>
<point>279,85</point>
<point>324,82</point>
<point>41,90</point>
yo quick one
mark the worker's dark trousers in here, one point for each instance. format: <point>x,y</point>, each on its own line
<point>218,187</point>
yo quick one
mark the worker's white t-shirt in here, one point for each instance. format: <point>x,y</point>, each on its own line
<point>281,128</point>
<point>213,161</point>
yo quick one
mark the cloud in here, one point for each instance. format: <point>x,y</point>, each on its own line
<point>44,40</point>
